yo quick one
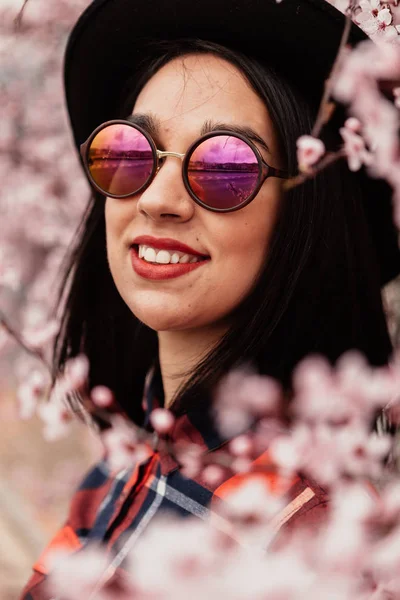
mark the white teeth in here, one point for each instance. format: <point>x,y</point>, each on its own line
<point>150,255</point>
<point>163,257</point>
<point>175,258</point>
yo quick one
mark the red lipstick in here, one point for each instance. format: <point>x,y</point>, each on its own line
<point>159,272</point>
<point>166,244</point>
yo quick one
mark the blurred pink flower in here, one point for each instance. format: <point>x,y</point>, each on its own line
<point>351,391</point>
<point>243,396</point>
<point>174,556</point>
<point>190,457</point>
<point>75,576</point>
<point>123,450</point>
<point>329,454</point>
<point>162,420</point>
<point>102,396</point>
<point>309,151</point>
<point>76,372</point>
<point>56,417</point>
<point>213,475</point>
<point>32,391</point>
<point>354,147</point>
<point>241,445</point>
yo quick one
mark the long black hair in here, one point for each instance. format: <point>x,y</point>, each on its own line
<point>318,291</point>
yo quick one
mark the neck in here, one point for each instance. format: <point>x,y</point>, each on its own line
<point>180,352</point>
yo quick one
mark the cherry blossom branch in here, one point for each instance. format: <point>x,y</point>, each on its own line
<point>327,160</point>
<point>326,109</point>
<point>323,111</point>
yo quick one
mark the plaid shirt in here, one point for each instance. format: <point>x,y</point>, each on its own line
<point>112,509</point>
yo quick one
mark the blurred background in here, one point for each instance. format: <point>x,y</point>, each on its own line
<point>42,196</point>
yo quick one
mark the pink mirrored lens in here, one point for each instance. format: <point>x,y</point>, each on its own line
<point>223,171</point>
<point>120,159</point>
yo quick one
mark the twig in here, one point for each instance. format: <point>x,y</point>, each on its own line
<point>320,120</point>
<point>299,179</point>
<point>19,17</point>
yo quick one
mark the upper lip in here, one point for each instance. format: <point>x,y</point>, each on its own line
<point>165,244</point>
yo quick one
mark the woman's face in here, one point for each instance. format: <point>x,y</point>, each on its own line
<point>180,98</point>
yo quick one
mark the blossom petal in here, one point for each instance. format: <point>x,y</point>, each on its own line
<point>385,16</point>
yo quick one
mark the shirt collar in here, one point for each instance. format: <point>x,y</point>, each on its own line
<point>196,425</point>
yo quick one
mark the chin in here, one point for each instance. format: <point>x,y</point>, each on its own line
<point>161,320</point>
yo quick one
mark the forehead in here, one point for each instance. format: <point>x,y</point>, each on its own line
<point>192,89</point>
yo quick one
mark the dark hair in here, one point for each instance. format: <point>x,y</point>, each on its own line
<point>318,291</point>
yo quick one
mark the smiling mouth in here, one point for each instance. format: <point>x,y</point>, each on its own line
<point>155,256</point>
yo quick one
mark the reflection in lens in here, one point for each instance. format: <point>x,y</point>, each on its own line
<point>120,159</point>
<point>223,171</point>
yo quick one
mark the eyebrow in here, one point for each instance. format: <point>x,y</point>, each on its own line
<point>151,124</point>
<point>148,122</point>
<point>210,126</point>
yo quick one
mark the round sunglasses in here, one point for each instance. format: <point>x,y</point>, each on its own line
<point>222,171</point>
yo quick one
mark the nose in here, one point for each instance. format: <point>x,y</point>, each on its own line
<point>166,198</point>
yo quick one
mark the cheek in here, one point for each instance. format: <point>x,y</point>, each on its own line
<point>241,252</point>
<point>240,266</point>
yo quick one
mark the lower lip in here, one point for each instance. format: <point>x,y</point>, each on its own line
<point>159,272</point>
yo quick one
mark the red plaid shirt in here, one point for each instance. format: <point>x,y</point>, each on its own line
<point>111,508</point>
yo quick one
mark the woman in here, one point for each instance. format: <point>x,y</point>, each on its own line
<point>184,272</point>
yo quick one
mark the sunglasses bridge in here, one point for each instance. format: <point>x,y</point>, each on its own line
<point>162,154</point>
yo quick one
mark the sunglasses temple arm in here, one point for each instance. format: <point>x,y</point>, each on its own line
<point>277,173</point>
<point>82,149</point>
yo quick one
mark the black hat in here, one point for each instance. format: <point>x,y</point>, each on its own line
<point>299,38</point>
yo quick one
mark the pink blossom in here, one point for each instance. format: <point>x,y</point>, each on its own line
<point>354,147</point>
<point>75,576</point>
<point>31,392</point>
<point>165,564</point>
<point>243,396</point>
<point>102,396</point>
<point>190,458</point>
<point>241,445</point>
<point>123,450</point>
<point>77,371</point>
<point>55,416</point>
<point>162,420</point>
<point>309,151</point>
<point>375,19</point>
<point>213,475</point>
<point>42,334</point>
<point>342,544</point>
<point>328,453</point>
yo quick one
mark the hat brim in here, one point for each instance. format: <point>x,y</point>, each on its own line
<point>299,38</point>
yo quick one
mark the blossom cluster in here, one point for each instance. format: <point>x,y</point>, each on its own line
<point>365,80</point>
<point>325,432</point>
<point>43,191</point>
